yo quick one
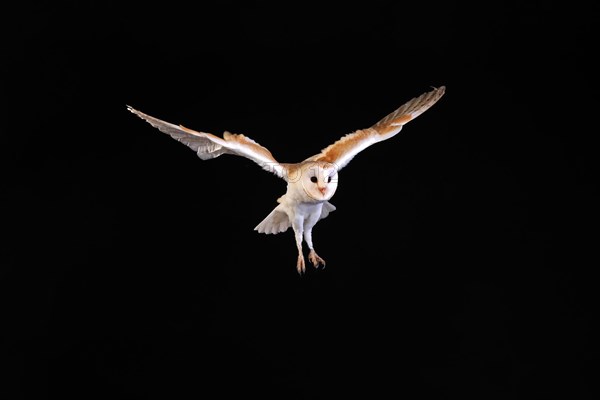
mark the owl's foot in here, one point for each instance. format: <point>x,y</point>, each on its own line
<point>300,265</point>
<point>315,259</point>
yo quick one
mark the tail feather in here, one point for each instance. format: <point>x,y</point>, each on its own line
<point>327,208</point>
<point>276,222</point>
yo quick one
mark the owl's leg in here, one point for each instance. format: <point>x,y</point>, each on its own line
<point>312,256</point>
<point>298,227</point>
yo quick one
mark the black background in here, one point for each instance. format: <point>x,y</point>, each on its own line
<point>460,260</point>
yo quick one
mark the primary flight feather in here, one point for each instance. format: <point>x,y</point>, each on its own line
<point>310,183</point>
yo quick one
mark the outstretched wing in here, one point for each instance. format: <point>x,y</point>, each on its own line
<point>209,146</point>
<point>341,152</point>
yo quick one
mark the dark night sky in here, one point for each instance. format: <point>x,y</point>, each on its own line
<point>460,259</point>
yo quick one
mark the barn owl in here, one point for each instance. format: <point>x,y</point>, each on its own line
<point>310,183</point>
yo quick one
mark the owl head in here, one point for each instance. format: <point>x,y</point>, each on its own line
<point>319,180</point>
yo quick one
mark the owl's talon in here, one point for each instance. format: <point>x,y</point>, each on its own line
<point>300,265</point>
<point>315,259</point>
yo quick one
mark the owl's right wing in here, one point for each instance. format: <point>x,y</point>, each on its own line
<point>209,146</point>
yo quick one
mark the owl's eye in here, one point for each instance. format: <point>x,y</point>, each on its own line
<point>313,179</point>
<point>328,179</point>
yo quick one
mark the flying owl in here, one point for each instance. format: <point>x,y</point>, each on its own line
<point>310,183</point>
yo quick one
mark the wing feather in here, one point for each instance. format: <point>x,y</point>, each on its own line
<point>209,146</point>
<point>341,152</point>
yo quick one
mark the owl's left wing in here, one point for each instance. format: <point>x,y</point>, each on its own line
<point>341,152</point>
<point>209,146</point>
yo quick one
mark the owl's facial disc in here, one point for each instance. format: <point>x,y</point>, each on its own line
<point>320,180</point>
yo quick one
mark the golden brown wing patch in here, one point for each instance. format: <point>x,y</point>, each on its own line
<point>249,143</point>
<point>333,153</point>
